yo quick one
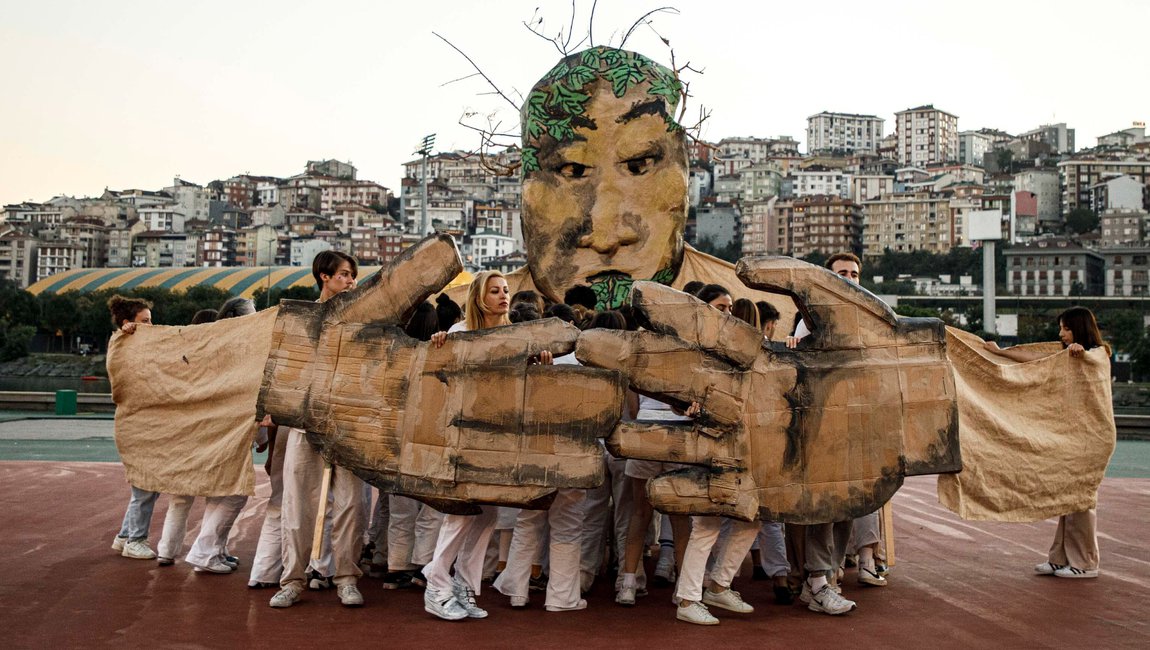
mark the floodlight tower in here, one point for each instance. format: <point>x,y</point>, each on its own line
<point>424,150</point>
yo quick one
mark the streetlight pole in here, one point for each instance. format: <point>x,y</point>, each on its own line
<point>424,151</point>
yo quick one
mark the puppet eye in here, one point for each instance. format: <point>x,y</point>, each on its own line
<point>572,170</point>
<point>640,165</point>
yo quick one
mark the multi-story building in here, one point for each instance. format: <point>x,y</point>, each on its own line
<point>759,182</point>
<point>218,247</point>
<point>304,250</point>
<point>826,224</point>
<point>867,187</point>
<point>162,217</point>
<point>120,242</point>
<point>1122,228</point>
<point>973,147</point>
<point>717,223</point>
<point>17,256</point>
<point>90,233</point>
<point>843,132</point>
<point>489,244</point>
<point>1043,183</point>
<point>193,200</point>
<point>1120,193</point>
<point>1054,266</point>
<point>159,249</point>
<point>55,255</point>
<point>240,191</point>
<point>926,135</point>
<point>1127,271</point>
<point>908,221</point>
<point>816,181</point>
<point>1058,137</point>
<point>1078,175</point>
<point>1124,138</point>
<point>366,193</point>
<point>333,168</point>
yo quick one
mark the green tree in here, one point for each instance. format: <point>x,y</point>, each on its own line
<point>58,318</point>
<point>17,306</point>
<point>1081,220</point>
<point>14,340</point>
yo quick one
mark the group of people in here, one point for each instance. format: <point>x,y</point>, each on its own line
<point>560,551</point>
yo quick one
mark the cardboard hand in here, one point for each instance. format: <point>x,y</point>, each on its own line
<point>469,422</point>
<point>822,433</point>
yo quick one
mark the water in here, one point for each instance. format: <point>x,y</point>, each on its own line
<point>52,384</point>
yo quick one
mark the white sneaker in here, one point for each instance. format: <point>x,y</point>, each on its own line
<point>519,601</point>
<point>215,565</point>
<point>729,600</point>
<point>625,596</point>
<point>582,604</point>
<point>1072,572</point>
<point>465,596</point>
<point>349,596</point>
<point>695,613</point>
<point>443,606</point>
<point>118,543</point>
<point>1047,568</point>
<point>138,550</point>
<point>805,596</point>
<point>826,601</point>
<point>872,578</point>
<point>286,597</point>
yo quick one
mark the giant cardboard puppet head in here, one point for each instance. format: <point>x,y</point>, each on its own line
<point>604,175</point>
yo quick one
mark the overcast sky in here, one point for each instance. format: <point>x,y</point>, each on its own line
<point>129,94</point>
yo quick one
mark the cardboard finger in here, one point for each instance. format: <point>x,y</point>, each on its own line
<point>657,364</point>
<point>688,491</point>
<point>674,443</point>
<point>420,271</point>
<point>824,298</point>
<point>673,312</point>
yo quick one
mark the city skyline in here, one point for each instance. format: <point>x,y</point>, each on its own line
<point>138,94</point>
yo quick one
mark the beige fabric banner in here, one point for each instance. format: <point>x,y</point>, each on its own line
<point>186,403</point>
<point>1035,437</point>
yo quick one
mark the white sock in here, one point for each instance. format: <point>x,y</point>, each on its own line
<point>817,582</point>
<point>628,580</point>
<point>866,558</point>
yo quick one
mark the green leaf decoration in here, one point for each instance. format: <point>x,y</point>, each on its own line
<point>613,58</point>
<point>530,158</point>
<point>560,129</point>
<point>591,57</point>
<point>562,98</point>
<point>664,276</point>
<point>623,77</point>
<point>666,87</point>
<point>580,76</point>
<point>559,71</point>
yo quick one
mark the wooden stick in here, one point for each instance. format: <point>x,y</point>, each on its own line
<point>887,523</point>
<point>317,538</point>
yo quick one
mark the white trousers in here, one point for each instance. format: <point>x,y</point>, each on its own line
<point>175,526</point>
<point>773,549</point>
<point>302,475</point>
<point>610,502</point>
<point>704,534</point>
<point>412,531</point>
<point>219,515</point>
<point>462,543</point>
<point>267,565</point>
<point>866,530</point>
<point>566,521</point>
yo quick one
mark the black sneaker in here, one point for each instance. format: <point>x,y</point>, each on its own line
<point>316,581</point>
<point>397,580</point>
<point>417,579</point>
<point>758,573</point>
<point>538,584</point>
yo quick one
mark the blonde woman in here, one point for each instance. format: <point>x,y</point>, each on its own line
<point>463,539</point>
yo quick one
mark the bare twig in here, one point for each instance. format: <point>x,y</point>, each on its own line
<point>479,71</point>
<point>464,78</point>
<point>643,19</point>
<point>539,21</point>
<point>591,25</point>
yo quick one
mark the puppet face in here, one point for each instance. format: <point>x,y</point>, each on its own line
<point>605,203</point>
